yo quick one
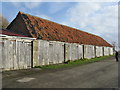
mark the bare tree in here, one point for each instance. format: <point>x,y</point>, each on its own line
<point>114,45</point>
<point>3,22</point>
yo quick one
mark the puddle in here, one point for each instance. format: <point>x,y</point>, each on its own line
<point>27,79</point>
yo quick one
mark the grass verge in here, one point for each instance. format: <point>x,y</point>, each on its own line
<point>73,63</point>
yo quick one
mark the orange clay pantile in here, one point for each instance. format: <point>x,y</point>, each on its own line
<point>47,30</point>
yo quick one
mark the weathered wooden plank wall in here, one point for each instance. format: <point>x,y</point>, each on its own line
<point>111,51</point>
<point>16,54</point>
<point>50,52</point>
<point>1,54</point>
<point>1,64</point>
<point>89,51</point>
<point>73,51</point>
<point>24,54</point>
<point>99,51</point>
<point>106,51</point>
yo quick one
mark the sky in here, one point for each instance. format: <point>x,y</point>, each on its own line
<point>99,18</point>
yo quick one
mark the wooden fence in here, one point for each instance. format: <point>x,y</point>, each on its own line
<point>16,54</point>
<point>26,53</point>
<point>54,52</point>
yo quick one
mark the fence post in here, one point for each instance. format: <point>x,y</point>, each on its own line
<point>95,51</point>
<point>1,64</point>
<point>35,53</point>
<point>65,52</point>
<point>103,50</point>
<point>83,51</point>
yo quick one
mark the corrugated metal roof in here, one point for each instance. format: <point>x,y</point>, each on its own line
<point>47,30</point>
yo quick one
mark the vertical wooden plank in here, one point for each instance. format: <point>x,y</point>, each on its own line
<point>11,55</point>
<point>18,54</point>
<point>58,52</point>
<point>1,44</point>
<point>62,53</point>
<point>70,50</point>
<point>55,52</point>
<point>41,50</point>
<point>30,55</point>
<point>35,53</point>
<point>15,53</point>
<point>3,54</point>
<point>41,47</point>
<point>25,55</point>
<point>46,53</point>
<point>51,55</point>
<point>8,54</point>
<point>21,55</point>
<point>7,59</point>
<point>77,51</point>
<point>66,52</point>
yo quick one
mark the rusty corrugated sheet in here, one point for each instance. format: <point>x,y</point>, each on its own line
<point>47,30</point>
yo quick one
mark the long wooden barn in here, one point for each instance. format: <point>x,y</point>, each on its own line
<point>44,42</point>
<point>39,28</point>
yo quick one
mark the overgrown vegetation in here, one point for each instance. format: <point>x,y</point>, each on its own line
<point>73,63</point>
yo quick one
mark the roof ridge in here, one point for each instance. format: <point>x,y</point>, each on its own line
<point>44,29</point>
<point>59,24</point>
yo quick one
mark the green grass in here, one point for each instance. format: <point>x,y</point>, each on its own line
<point>73,63</point>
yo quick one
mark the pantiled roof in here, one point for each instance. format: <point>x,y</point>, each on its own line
<point>47,30</point>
